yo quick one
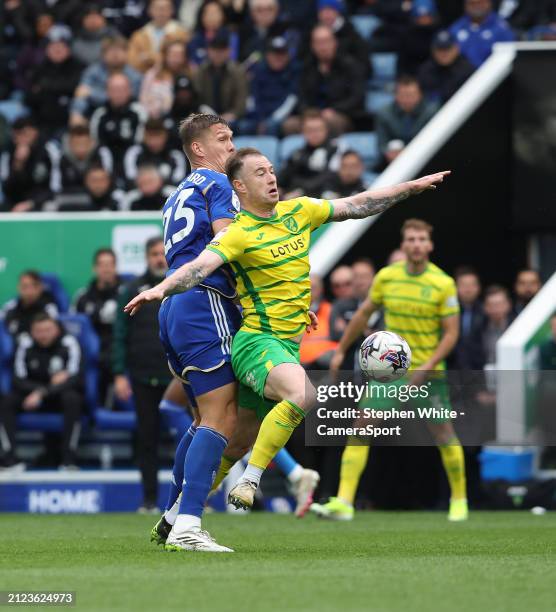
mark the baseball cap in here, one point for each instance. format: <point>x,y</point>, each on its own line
<point>277,44</point>
<point>443,40</point>
<point>337,5</point>
<point>59,33</point>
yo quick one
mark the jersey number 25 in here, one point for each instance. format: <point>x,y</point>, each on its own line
<point>179,213</point>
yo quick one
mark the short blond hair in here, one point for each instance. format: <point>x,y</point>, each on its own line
<point>417,224</point>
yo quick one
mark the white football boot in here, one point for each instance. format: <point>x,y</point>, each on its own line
<point>194,539</point>
<point>242,495</point>
<point>303,490</point>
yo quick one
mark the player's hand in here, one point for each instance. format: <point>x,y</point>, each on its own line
<point>150,295</point>
<point>122,388</point>
<point>313,323</point>
<point>59,378</point>
<point>428,182</point>
<point>32,401</point>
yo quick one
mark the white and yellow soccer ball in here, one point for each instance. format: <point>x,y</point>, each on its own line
<point>384,356</point>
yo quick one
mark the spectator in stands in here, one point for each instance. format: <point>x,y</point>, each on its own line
<point>498,311</point>
<point>155,150</point>
<point>265,22</point>
<point>91,92</point>
<point>527,284</point>
<point>220,82</point>
<point>446,71</point>
<point>99,193</point>
<point>87,43</point>
<point>273,90</point>
<point>53,82</point>
<point>48,377</point>
<point>479,29</point>
<point>126,16</point>
<point>32,299</point>
<point>157,89</point>
<point>32,54</point>
<point>343,308</point>
<point>415,43</point>
<point>349,178</point>
<point>150,193</point>
<point>317,348</point>
<point>308,168</point>
<point>548,348</point>
<point>119,123</point>
<point>333,83</point>
<point>468,352</point>
<point>341,283</point>
<point>138,353</point>
<point>404,118</point>
<point>145,44</point>
<point>186,101</point>
<point>99,301</point>
<point>69,162</point>
<point>24,168</point>
<point>396,255</point>
<point>212,22</point>
<point>331,13</point>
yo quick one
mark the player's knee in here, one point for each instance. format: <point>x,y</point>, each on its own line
<point>304,398</point>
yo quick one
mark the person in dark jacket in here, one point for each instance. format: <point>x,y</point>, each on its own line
<point>92,30</point>
<point>308,168</point>
<point>54,81</point>
<point>24,168</point>
<point>140,368</point>
<point>348,180</point>
<point>99,301</point>
<point>151,192</point>
<point>32,299</point>
<point>273,89</point>
<point>119,123</point>
<point>155,150</point>
<point>468,354</point>
<point>333,83</point>
<point>47,376</point>
<point>403,119</point>
<point>446,71</point>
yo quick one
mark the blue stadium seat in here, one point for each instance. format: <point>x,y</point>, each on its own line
<point>54,285</point>
<point>6,355</point>
<point>384,68</point>
<point>79,326</point>
<point>121,419</point>
<point>369,178</point>
<point>365,143</point>
<point>376,100</point>
<point>176,420</point>
<point>365,24</point>
<point>267,145</point>
<point>289,144</point>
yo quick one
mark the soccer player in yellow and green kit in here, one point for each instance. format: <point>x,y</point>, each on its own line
<point>267,246</point>
<point>420,303</point>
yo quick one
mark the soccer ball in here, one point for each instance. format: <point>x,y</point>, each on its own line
<point>384,356</point>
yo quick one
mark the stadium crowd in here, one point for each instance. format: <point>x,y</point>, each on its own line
<point>91,92</point>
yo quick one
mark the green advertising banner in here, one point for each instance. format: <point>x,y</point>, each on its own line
<point>64,243</point>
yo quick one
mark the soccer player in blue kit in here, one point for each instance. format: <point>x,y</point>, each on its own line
<point>197,329</point>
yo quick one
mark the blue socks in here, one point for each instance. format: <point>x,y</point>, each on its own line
<point>179,462</point>
<point>285,462</point>
<point>201,464</point>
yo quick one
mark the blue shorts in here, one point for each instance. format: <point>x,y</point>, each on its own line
<point>196,329</point>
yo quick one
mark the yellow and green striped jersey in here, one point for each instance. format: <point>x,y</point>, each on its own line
<point>270,260</point>
<point>414,306</point>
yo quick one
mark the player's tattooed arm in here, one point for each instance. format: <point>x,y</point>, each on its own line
<point>375,201</point>
<point>184,278</point>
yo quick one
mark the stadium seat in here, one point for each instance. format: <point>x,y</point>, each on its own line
<point>79,326</point>
<point>176,420</point>
<point>377,100</point>
<point>365,143</point>
<point>289,144</point>
<point>384,68</point>
<point>365,25</point>
<point>54,285</point>
<point>121,419</point>
<point>369,178</point>
<point>6,354</point>
<point>267,145</point>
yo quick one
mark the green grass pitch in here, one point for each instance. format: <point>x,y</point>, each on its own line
<point>380,562</point>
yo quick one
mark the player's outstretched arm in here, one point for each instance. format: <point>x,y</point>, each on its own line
<point>184,278</point>
<point>375,201</point>
<point>353,330</point>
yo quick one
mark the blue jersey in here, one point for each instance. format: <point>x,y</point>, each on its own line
<point>202,198</point>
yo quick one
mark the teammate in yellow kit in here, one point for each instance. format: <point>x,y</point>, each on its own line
<point>420,303</point>
<point>268,247</point>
